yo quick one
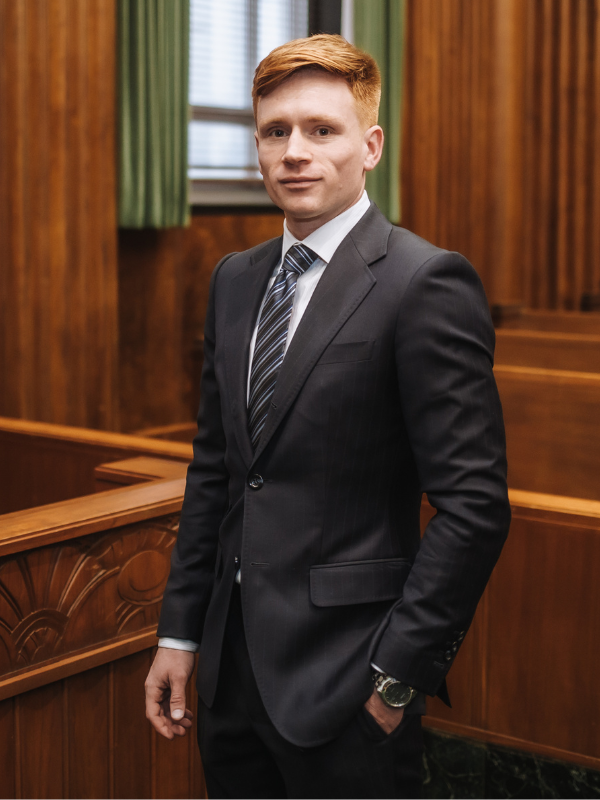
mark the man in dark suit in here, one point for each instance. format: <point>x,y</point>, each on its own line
<point>348,370</point>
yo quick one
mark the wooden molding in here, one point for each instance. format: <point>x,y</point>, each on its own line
<point>80,598</point>
<point>76,662</point>
<point>123,441</point>
<point>482,735</point>
<point>57,522</point>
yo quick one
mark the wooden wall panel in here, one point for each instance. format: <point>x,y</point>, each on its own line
<point>42,463</point>
<point>163,291</point>
<point>538,635</point>
<point>500,142</point>
<point>42,745</point>
<point>132,737</point>
<point>88,722</point>
<point>58,275</point>
<point>8,784</point>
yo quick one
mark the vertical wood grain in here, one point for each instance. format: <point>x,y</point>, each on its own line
<point>8,783</point>
<point>41,742</point>
<point>132,747</point>
<point>164,277</point>
<point>58,281</point>
<point>500,142</point>
<point>88,734</point>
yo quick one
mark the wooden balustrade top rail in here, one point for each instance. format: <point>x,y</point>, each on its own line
<point>563,351</point>
<point>57,522</point>
<point>102,439</point>
<point>552,321</point>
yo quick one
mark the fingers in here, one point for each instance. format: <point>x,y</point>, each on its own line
<point>165,692</point>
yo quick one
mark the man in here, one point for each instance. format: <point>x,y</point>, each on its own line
<point>348,369</point>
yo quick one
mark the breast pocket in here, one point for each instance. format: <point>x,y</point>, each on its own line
<point>343,352</point>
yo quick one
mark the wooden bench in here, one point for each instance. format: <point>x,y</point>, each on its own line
<point>551,321</point>
<point>579,352</point>
<point>42,463</point>
<point>552,422</point>
<point>81,583</point>
<point>526,676</point>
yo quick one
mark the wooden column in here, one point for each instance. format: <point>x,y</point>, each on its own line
<point>58,273</point>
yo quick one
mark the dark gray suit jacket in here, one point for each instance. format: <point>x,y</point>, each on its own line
<point>386,392</point>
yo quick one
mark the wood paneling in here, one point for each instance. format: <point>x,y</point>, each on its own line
<point>568,351</point>
<point>536,638</point>
<point>87,736</point>
<point>42,463</point>
<point>500,156</point>
<point>80,589</point>
<point>58,278</point>
<point>552,432</point>
<point>163,291</point>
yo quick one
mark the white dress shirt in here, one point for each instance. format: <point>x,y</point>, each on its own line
<point>324,242</point>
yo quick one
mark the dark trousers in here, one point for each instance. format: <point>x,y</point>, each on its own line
<point>243,755</point>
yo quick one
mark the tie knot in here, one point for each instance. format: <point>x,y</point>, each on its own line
<point>298,259</point>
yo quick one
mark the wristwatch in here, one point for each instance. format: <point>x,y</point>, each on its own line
<point>393,693</point>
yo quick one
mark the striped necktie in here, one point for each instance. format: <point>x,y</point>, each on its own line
<point>271,336</point>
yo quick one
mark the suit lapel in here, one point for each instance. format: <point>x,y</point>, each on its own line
<point>345,283</point>
<point>247,291</point>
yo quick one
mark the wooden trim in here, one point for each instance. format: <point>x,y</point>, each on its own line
<point>141,468</point>
<point>539,372</point>
<point>56,522</point>
<point>479,734</point>
<point>104,439</point>
<point>527,503</point>
<point>547,336</point>
<point>76,662</point>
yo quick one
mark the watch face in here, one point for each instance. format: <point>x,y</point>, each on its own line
<point>397,694</point>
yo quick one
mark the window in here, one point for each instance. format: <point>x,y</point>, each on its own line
<point>228,38</point>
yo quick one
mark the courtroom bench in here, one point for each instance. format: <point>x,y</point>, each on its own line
<point>526,674</point>
<point>81,583</point>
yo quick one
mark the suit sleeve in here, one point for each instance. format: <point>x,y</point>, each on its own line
<point>453,416</point>
<point>190,582</point>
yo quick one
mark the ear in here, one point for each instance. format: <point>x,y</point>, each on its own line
<point>373,139</point>
<point>256,142</point>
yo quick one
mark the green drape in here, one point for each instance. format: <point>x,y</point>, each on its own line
<point>153,112</point>
<point>379,29</point>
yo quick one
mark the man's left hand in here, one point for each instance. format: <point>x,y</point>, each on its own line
<point>386,717</point>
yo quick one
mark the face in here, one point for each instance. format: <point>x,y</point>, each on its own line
<point>313,150</point>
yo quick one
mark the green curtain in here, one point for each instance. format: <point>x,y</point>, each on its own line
<point>379,29</point>
<point>153,113</point>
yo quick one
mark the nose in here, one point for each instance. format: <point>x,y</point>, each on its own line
<point>297,150</point>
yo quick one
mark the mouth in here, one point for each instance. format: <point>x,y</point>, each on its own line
<point>298,182</point>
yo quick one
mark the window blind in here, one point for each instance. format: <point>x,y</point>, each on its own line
<point>228,38</point>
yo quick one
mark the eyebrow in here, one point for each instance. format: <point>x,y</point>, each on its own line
<point>324,120</point>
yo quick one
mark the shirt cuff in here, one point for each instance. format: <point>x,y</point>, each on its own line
<point>178,644</point>
<point>376,668</point>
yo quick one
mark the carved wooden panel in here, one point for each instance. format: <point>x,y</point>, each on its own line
<point>62,598</point>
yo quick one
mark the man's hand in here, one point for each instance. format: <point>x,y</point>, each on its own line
<point>386,717</point>
<point>165,692</point>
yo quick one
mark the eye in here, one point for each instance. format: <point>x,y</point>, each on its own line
<point>277,133</point>
<point>323,131</point>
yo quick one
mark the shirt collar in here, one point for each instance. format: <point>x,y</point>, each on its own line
<point>326,239</point>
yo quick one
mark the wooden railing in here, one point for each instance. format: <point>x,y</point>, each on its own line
<point>81,583</point>
<point>525,676</point>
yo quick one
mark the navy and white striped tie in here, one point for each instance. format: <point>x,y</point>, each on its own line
<point>271,336</point>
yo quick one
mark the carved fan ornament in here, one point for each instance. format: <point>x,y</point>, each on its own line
<point>68,596</point>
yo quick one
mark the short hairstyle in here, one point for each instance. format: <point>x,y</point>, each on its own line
<point>332,54</point>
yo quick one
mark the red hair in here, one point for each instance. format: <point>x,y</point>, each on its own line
<point>332,54</point>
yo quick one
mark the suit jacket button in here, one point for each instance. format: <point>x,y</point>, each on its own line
<point>448,655</point>
<point>256,482</point>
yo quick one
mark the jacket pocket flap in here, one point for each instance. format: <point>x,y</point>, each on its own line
<point>347,351</point>
<point>353,582</point>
